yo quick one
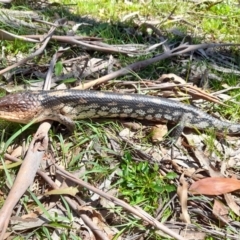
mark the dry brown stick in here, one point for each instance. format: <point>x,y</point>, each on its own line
<point>36,53</point>
<point>183,48</point>
<point>86,42</point>
<point>5,35</point>
<point>143,215</point>
<point>48,80</point>
<point>96,47</point>
<point>63,38</point>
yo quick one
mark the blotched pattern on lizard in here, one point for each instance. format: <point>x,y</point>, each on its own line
<point>65,106</point>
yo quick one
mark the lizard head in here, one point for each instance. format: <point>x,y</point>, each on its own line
<point>20,107</point>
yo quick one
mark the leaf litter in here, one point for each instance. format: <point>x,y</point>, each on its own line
<point>200,163</point>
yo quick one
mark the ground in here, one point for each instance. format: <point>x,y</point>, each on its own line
<point>121,178</point>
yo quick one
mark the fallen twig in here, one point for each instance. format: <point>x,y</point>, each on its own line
<point>36,53</point>
<point>183,48</point>
<point>5,35</point>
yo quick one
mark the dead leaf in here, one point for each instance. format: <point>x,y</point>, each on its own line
<point>86,209</point>
<point>126,133</point>
<point>17,152</point>
<point>158,132</point>
<point>182,194</point>
<point>29,215</point>
<point>132,125</point>
<point>173,77</point>
<point>214,186</point>
<point>99,221</point>
<point>232,203</point>
<point>106,203</point>
<point>220,211</point>
<point>69,191</point>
